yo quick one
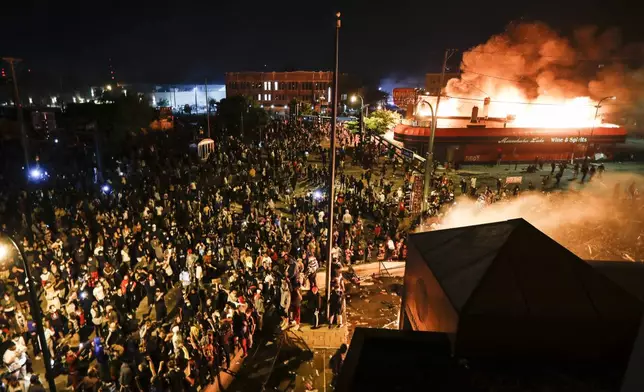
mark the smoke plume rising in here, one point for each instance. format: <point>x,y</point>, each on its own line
<point>563,77</point>
<point>591,223</point>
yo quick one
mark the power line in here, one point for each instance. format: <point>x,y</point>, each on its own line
<point>500,53</point>
<point>494,77</point>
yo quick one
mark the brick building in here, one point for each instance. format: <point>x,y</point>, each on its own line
<point>279,88</point>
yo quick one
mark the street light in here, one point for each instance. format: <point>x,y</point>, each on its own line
<point>592,130</point>
<point>36,312</point>
<point>430,154</point>
<point>354,98</point>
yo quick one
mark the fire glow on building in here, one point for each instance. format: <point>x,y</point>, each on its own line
<point>520,96</point>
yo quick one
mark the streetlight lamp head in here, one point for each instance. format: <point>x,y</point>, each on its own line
<point>35,173</point>
<point>3,252</point>
<point>613,98</point>
<point>353,98</point>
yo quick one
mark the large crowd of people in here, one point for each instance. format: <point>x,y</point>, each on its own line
<point>157,273</point>
<point>154,275</point>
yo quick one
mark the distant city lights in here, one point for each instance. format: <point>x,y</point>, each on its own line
<point>55,140</point>
<point>31,101</point>
<point>108,87</point>
<point>106,188</point>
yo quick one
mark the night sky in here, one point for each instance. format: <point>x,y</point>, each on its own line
<point>187,41</point>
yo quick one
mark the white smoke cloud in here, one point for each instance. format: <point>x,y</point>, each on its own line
<point>591,223</point>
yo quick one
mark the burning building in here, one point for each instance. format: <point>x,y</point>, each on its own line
<point>529,93</point>
<point>489,139</point>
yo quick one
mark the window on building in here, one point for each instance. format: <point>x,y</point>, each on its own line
<point>275,85</point>
<point>269,97</point>
<point>259,97</point>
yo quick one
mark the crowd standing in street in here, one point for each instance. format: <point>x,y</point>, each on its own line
<point>156,279</point>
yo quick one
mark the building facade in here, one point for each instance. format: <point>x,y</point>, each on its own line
<point>279,88</point>
<point>433,81</point>
<point>177,96</point>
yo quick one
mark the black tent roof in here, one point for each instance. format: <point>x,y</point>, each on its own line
<point>512,268</point>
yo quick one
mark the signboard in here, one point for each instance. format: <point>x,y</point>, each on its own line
<point>514,180</point>
<point>407,153</point>
<point>404,96</point>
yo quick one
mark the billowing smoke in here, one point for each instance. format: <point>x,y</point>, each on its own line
<point>596,223</point>
<point>530,62</point>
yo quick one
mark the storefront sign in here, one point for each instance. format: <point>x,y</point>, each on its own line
<point>507,140</point>
<point>404,96</point>
<point>530,140</point>
<point>568,140</point>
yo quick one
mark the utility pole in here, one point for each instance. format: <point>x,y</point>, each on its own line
<point>334,114</point>
<point>19,114</point>
<point>429,163</point>
<point>207,108</point>
<point>196,105</point>
<point>241,121</point>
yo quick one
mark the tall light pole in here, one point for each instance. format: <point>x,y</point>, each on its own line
<point>196,106</point>
<point>592,130</point>
<point>207,108</point>
<point>362,115</point>
<point>334,115</point>
<point>19,114</point>
<point>428,161</point>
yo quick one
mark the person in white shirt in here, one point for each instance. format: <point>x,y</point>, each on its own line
<point>198,274</point>
<point>184,277</point>
<point>15,358</point>
<point>99,292</point>
<point>125,255</point>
